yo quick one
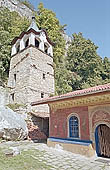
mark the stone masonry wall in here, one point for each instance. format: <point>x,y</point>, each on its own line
<point>20,66</point>
<point>41,64</point>
<point>29,67</point>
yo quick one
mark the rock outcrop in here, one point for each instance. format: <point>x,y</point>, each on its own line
<point>68,40</point>
<point>12,125</point>
<point>16,5</point>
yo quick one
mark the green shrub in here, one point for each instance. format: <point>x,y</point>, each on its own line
<point>16,106</point>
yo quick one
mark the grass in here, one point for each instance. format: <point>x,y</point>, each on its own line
<point>27,160</point>
<point>16,106</point>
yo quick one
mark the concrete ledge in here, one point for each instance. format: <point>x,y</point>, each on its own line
<point>82,148</point>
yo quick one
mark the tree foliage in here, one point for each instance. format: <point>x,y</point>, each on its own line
<point>82,67</point>
<point>46,19</point>
<point>63,79</point>
<point>106,73</point>
<point>87,66</point>
<point>11,25</point>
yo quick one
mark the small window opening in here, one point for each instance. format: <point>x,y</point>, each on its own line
<point>15,77</point>
<point>43,76</point>
<point>36,43</point>
<point>18,48</point>
<point>42,95</point>
<point>27,43</point>
<point>13,96</point>
<point>45,49</point>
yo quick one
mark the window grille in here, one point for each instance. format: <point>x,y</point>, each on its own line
<point>73,127</point>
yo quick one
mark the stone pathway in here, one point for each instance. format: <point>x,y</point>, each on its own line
<point>59,159</point>
<point>63,160</point>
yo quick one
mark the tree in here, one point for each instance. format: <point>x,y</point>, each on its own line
<point>46,19</point>
<point>84,62</point>
<point>11,25</point>
<point>81,68</point>
<point>106,73</point>
<point>62,80</point>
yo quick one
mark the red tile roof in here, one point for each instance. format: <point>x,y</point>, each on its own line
<point>91,90</point>
<point>40,114</point>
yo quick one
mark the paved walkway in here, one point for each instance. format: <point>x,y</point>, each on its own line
<point>63,160</point>
<point>59,159</point>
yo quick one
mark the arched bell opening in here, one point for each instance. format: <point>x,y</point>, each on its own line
<point>46,48</point>
<point>37,43</point>
<point>27,43</point>
<point>17,48</point>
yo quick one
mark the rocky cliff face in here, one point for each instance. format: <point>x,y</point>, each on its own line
<point>68,40</point>
<point>16,5</point>
<point>23,10</point>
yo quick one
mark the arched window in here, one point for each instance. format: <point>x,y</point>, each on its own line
<point>18,48</point>
<point>45,48</point>
<point>36,43</point>
<point>27,43</point>
<point>73,127</point>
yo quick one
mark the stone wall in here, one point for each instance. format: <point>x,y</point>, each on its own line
<point>15,5</point>
<point>29,67</point>
<point>42,123</point>
<point>36,129</point>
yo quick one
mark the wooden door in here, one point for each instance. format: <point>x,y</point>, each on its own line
<point>102,136</point>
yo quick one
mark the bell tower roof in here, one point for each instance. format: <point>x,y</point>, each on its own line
<point>30,35</point>
<point>33,25</point>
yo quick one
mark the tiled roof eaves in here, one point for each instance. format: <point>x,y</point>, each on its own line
<point>62,97</point>
<point>28,32</point>
<point>40,114</point>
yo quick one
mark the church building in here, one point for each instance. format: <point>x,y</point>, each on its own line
<point>80,121</point>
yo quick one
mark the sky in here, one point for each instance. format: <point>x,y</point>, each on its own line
<point>91,17</point>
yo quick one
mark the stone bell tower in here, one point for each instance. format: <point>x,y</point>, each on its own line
<point>31,75</point>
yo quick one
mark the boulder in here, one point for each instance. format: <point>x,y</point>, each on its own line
<point>12,124</point>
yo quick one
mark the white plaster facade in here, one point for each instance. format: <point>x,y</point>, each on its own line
<point>41,38</point>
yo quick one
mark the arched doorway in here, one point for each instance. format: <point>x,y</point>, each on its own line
<point>102,140</point>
